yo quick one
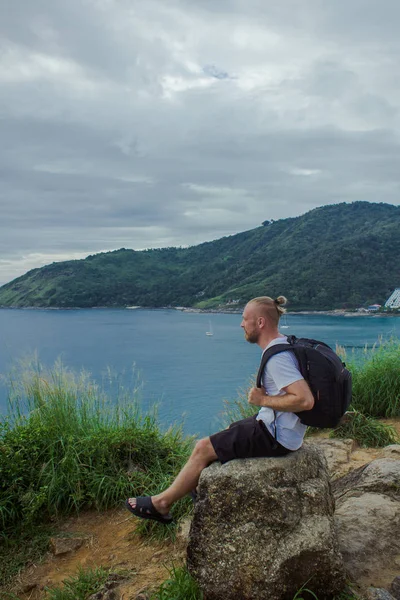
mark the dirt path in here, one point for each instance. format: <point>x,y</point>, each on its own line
<point>111,543</point>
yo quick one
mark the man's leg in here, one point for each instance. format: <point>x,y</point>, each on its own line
<point>188,478</point>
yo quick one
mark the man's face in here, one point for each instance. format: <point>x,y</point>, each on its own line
<point>249,324</point>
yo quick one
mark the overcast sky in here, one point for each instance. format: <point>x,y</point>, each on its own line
<point>141,123</point>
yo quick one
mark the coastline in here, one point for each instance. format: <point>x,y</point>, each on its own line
<point>223,310</point>
<point>331,313</point>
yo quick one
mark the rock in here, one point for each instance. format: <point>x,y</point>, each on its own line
<point>104,595</point>
<point>337,452</point>
<point>108,591</point>
<point>381,476</point>
<point>264,527</point>
<point>114,580</point>
<point>62,545</point>
<point>374,593</point>
<point>368,528</point>
<point>394,587</point>
<point>392,451</point>
<point>29,586</point>
<point>368,519</point>
<point>184,529</point>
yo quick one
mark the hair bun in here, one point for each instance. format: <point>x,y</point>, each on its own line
<point>280,300</point>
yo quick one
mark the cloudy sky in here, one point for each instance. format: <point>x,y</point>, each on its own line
<point>151,123</point>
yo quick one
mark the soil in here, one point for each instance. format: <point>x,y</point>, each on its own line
<point>111,542</point>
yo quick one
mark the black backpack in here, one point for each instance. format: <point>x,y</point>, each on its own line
<point>325,373</point>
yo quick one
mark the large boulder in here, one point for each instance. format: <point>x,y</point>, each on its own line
<point>368,520</point>
<point>262,528</point>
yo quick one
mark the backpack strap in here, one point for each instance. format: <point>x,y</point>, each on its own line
<point>276,349</point>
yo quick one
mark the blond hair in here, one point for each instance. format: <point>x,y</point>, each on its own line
<point>270,308</point>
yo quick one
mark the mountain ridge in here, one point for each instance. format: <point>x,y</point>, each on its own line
<point>335,256</point>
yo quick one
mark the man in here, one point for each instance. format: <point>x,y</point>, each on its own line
<point>274,431</point>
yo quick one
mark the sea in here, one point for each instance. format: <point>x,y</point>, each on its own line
<point>165,356</point>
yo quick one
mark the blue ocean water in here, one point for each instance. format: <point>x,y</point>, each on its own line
<point>185,372</point>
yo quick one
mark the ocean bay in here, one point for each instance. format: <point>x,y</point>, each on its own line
<point>183,370</point>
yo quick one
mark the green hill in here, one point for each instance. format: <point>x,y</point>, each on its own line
<point>343,255</point>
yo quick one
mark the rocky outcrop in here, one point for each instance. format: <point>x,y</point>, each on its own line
<point>368,519</point>
<point>264,527</point>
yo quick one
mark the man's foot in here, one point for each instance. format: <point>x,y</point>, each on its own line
<point>144,508</point>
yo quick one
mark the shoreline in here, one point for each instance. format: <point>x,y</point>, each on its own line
<point>188,309</point>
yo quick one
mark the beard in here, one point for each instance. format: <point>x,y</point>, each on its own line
<point>251,336</point>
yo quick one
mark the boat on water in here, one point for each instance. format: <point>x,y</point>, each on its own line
<point>210,329</point>
<point>284,323</point>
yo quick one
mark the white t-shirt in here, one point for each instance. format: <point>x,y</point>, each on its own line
<point>280,371</point>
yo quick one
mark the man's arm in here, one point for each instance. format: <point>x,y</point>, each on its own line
<point>297,397</point>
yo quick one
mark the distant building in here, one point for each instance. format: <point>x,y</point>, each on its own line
<point>394,300</point>
<point>373,307</point>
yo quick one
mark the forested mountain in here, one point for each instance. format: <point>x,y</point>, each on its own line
<point>336,256</point>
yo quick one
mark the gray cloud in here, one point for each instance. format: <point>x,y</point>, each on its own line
<point>135,124</point>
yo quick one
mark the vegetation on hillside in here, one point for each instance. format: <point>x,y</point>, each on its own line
<point>338,256</point>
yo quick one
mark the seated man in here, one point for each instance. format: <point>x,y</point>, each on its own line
<point>274,431</point>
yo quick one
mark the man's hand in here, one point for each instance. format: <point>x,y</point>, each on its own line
<point>257,396</point>
<point>297,397</point>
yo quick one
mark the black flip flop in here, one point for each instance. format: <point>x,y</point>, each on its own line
<point>145,510</point>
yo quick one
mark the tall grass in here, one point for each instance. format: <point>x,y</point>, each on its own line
<point>65,446</point>
<point>376,380</point>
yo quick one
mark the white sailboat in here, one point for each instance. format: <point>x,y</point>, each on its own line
<point>210,329</point>
<point>284,322</point>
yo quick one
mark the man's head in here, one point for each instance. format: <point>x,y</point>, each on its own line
<point>261,318</point>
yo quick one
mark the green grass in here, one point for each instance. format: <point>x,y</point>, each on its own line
<point>366,431</point>
<point>80,587</point>
<point>376,380</point>
<point>25,545</point>
<point>179,586</point>
<point>65,447</point>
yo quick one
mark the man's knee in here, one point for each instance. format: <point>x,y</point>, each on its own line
<point>204,451</point>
